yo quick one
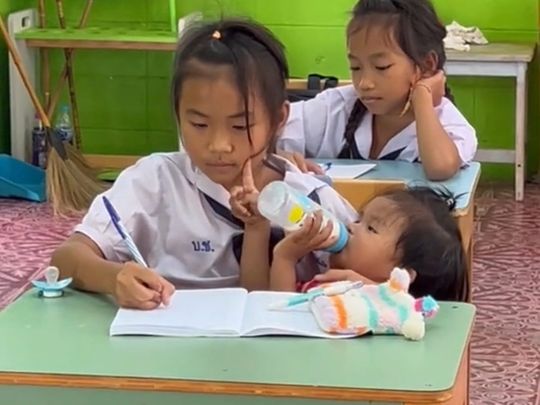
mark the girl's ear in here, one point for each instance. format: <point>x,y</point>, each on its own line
<point>430,65</point>
<point>283,116</point>
<point>412,275</point>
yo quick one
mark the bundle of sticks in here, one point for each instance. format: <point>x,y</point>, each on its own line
<point>71,183</point>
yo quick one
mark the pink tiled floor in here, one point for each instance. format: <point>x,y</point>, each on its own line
<point>506,338</point>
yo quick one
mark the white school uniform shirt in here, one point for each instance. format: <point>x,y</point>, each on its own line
<point>316,128</point>
<point>162,201</point>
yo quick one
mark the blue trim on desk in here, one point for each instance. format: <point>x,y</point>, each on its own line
<point>462,184</point>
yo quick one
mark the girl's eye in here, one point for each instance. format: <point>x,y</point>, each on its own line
<point>371,229</point>
<point>386,67</point>
<point>199,124</point>
<point>242,128</point>
<point>354,68</point>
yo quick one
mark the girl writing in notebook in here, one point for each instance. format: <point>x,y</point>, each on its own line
<point>399,107</point>
<point>228,93</point>
<point>412,229</point>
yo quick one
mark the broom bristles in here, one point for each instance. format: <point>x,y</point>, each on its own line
<point>71,187</point>
<point>78,159</point>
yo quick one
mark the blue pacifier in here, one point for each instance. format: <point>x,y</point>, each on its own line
<point>51,287</point>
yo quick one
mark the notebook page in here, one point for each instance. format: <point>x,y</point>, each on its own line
<point>209,312</point>
<point>294,321</point>
<point>337,171</point>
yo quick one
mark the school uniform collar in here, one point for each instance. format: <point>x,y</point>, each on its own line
<point>392,149</point>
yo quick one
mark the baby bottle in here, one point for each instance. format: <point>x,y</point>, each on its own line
<point>288,208</point>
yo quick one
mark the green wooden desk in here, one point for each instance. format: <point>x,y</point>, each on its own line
<point>58,352</point>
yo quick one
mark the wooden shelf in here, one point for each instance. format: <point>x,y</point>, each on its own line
<point>100,38</point>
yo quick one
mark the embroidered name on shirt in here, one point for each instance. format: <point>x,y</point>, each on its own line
<point>204,246</point>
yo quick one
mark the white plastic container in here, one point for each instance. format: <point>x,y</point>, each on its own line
<point>288,208</point>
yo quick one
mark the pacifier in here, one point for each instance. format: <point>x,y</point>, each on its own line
<point>51,287</point>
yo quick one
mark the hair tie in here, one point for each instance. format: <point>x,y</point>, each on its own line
<point>216,34</point>
<point>451,203</point>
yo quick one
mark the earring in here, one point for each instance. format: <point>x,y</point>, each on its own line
<point>409,99</point>
<point>407,106</point>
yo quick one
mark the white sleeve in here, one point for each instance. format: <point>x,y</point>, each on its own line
<point>332,201</point>
<point>460,131</point>
<point>133,195</point>
<point>315,127</point>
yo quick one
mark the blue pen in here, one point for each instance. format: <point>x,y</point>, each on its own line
<point>326,166</point>
<point>115,218</point>
<point>336,288</point>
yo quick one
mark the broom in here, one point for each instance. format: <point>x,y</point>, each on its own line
<point>71,81</point>
<point>69,187</point>
<point>44,55</point>
<point>64,75</point>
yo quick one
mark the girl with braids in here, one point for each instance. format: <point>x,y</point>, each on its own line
<point>191,214</point>
<point>398,107</point>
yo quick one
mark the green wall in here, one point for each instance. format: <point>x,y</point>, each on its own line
<point>6,7</point>
<point>123,96</point>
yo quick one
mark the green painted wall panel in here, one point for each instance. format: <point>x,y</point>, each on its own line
<point>117,11</point>
<point>124,96</point>
<point>491,14</point>
<point>162,140</point>
<point>161,118</point>
<point>115,142</point>
<point>298,12</point>
<point>119,102</point>
<point>159,64</point>
<point>110,63</point>
<point>326,54</point>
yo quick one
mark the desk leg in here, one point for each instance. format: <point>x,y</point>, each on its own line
<point>521,120</point>
<point>466,228</point>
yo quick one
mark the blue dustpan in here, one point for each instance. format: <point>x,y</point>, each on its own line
<point>21,180</point>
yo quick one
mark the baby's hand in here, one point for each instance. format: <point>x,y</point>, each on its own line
<point>141,288</point>
<point>244,199</point>
<point>434,84</point>
<point>308,238</point>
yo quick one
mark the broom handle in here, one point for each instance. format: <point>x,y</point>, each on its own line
<point>24,77</point>
<point>63,76</point>
<point>71,82</point>
<point>44,53</point>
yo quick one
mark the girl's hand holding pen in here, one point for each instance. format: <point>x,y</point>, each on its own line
<point>139,287</point>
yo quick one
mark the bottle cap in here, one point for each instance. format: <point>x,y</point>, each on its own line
<point>343,238</point>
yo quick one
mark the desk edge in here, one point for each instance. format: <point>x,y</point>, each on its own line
<point>217,387</point>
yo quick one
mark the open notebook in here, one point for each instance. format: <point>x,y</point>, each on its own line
<point>224,312</point>
<point>344,171</point>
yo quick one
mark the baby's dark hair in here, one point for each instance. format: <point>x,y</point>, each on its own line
<point>416,29</point>
<point>431,243</point>
<point>256,57</point>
